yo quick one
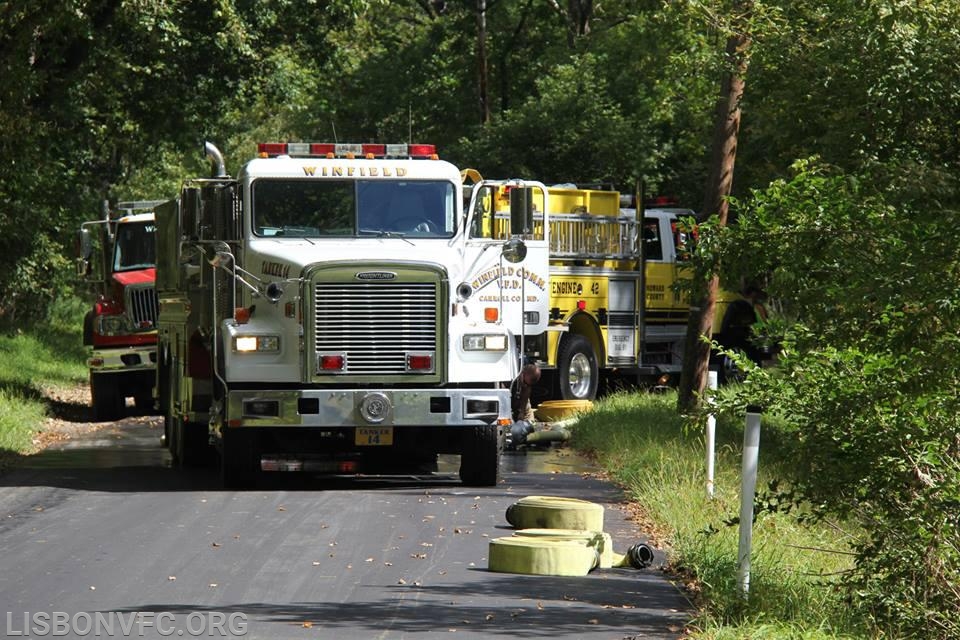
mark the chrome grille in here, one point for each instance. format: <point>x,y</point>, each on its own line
<point>375,325</point>
<point>142,305</point>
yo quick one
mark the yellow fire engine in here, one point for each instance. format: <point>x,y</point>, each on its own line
<point>614,310</point>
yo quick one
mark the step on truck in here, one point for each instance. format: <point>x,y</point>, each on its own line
<point>118,260</point>
<point>327,311</point>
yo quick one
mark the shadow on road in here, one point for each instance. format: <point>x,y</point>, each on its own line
<point>615,601</point>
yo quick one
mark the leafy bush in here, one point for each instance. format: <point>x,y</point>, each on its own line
<point>868,383</point>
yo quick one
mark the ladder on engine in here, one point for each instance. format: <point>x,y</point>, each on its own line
<point>585,224</point>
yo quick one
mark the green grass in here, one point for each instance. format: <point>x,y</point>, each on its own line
<point>46,355</point>
<point>641,441</point>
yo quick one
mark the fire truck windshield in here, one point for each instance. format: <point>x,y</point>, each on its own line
<point>307,208</point>
<point>135,246</point>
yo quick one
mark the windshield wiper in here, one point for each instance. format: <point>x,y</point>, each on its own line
<point>383,233</point>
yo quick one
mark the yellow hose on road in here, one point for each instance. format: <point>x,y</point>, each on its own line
<point>598,540</point>
<point>552,512</point>
<point>542,556</point>
<point>560,537</point>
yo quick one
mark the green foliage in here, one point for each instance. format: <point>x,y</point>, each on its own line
<point>868,382</point>
<point>577,127</point>
<point>856,82</point>
<point>50,356</point>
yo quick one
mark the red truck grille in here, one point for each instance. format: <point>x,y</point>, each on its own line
<point>142,305</point>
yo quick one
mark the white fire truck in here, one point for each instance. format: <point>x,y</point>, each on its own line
<point>614,309</point>
<point>328,310</point>
<point>118,256</point>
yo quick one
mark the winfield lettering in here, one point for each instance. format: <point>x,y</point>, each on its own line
<point>338,171</point>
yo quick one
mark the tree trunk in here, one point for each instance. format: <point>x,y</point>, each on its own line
<point>482,66</point>
<point>696,355</point>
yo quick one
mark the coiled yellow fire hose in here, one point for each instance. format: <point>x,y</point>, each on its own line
<point>552,512</point>
<point>550,549</point>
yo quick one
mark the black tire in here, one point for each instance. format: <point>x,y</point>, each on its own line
<point>727,370</point>
<point>144,402</point>
<point>105,397</point>
<point>164,404</point>
<point>480,459</point>
<point>577,370</point>
<point>170,440</point>
<point>192,442</point>
<point>88,329</point>
<point>239,459</point>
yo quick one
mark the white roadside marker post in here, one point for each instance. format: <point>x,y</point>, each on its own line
<point>711,436</point>
<point>748,486</point>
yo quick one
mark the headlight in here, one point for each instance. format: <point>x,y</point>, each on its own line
<point>485,342</point>
<point>247,344</point>
<point>113,325</point>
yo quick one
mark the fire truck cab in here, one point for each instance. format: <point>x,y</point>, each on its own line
<point>325,311</point>
<point>118,258</point>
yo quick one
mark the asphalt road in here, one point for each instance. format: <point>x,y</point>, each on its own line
<point>99,534</point>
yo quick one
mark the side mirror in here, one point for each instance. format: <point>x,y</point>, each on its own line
<point>514,250</point>
<point>521,211</point>
<point>84,244</point>
<point>84,252</point>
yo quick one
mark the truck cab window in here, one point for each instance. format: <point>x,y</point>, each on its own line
<point>135,246</point>
<point>324,208</point>
<point>652,246</point>
<point>415,208</point>
<point>303,208</point>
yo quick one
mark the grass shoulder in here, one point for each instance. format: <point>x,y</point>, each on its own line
<point>34,363</point>
<point>661,462</point>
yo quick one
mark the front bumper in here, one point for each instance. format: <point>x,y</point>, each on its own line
<point>367,407</point>
<point>123,359</point>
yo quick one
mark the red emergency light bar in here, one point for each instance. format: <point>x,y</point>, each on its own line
<point>349,151</point>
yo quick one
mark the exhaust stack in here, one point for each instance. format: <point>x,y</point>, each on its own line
<point>220,170</point>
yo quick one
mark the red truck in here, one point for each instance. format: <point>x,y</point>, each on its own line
<point>118,258</point>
